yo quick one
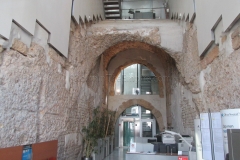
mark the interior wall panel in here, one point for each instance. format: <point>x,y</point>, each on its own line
<point>82,8</point>
<point>207,16</point>
<point>53,15</point>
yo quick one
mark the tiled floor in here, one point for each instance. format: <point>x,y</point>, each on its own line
<point>118,154</point>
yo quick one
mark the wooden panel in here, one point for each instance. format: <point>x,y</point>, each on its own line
<point>13,153</point>
<point>45,150</point>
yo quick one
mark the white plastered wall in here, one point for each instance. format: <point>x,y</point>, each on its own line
<point>82,8</point>
<point>208,13</point>
<point>183,7</point>
<point>54,15</point>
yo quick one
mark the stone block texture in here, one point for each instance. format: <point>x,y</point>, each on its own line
<point>19,46</point>
<point>45,96</point>
<point>236,38</point>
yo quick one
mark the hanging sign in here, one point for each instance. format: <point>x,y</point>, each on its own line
<point>217,136</point>
<point>206,137</point>
<point>230,120</point>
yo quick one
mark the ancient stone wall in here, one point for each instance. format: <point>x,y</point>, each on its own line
<point>184,83</point>
<point>45,96</point>
<point>207,83</point>
<point>183,109</point>
<point>221,83</point>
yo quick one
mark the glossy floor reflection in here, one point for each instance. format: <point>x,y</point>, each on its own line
<point>117,154</point>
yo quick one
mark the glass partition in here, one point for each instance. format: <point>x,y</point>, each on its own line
<point>131,8</point>
<point>128,133</point>
<point>136,121</point>
<point>131,111</point>
<point>136,79</point>
<point>146,114</point>
<point>147,130</point>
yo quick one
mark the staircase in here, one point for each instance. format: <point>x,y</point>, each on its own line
<point>145,84</point>
<point>112,9</point>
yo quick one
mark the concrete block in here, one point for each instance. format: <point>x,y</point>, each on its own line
<point>236,39</point>
<point>20,46</point>
<point>150,107</point>
<point>154,111</point>
<point>1,48</point>
<point>236,42</point>
<point>236,33</point>
<point>122,106</point>
<point>56,57</point>
<point>208,59</point>
<point>158,114</point>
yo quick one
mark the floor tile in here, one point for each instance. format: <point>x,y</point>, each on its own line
<point>117,154</point>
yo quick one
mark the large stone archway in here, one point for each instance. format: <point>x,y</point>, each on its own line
<point>157,114</point>
<point>115,49</point>
<point>145,63</point>
<point>164,58</point>
<point>154,51</point>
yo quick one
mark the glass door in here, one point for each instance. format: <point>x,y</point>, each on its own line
<point>129,128</point>
<point>128,133</point>
<point>135,121</point>
<point>148,127</point>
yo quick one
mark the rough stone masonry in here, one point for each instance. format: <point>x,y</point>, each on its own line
<point>45,96</point>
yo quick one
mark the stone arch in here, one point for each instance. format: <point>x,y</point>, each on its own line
<point>122,46</point>
<point>150,66</point>
<point>157,114</point>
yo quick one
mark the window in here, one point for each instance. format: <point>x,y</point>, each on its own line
<point>136,79</point>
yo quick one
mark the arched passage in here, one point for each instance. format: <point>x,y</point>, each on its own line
<point>157,114</point>
<point>150,66</point>
<point>115,49</point>
<point>153,57</point>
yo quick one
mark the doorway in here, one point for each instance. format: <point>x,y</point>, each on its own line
<point>128,133</point>
<point>136,125</point>
<point>148,128</point>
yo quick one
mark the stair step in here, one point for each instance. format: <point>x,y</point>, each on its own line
<point>112,12</point>
<point>112,15</point>
<point>145,89</point>
<point>110,2</point>
<point>114,18</point>
<point>111,7</point>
